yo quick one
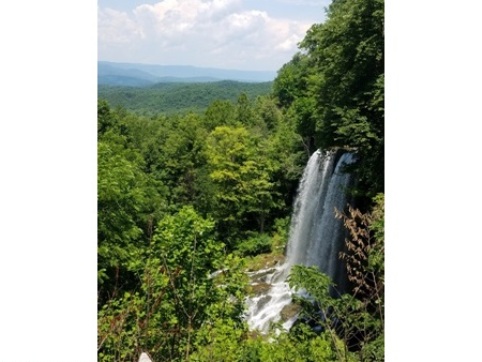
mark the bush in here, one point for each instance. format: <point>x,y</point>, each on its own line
<point>254,245</point>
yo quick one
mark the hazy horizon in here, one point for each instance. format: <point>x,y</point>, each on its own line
<point>187,66</point>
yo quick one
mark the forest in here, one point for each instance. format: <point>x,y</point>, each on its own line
<point>188,202</point>
<point>177,98</point>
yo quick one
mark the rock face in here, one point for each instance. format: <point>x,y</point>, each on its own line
<point>260,288</point>
<point>289,311</point>
<point>144,357</point>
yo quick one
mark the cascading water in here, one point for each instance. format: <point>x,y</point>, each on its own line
<point>315,238</point>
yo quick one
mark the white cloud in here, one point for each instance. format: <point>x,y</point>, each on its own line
<point>217,33</point>
<point>117,27</point>
<point>303,2</point>
<point>289,43</point>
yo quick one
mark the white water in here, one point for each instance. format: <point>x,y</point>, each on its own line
<point>315,238</point>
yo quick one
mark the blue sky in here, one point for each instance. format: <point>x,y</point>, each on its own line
<point>232,34</point>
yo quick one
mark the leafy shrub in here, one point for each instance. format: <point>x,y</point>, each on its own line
<point>257,244</point>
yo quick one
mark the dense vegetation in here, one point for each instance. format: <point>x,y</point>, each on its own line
<point>188,201</point>
<point>175,98</point>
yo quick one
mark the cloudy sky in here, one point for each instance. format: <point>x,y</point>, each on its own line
<point>232,34</point>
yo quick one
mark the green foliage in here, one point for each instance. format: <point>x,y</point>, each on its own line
<point>226,342</point>
<point>378,213</point>
<point>348,51</point>
<point>293,80</point>
<point>356,318</point>
<point>174,152</point>
<point>178,294</point>
<point>104,117</point>
<point>180,160</point>
<point>220,113</point>
<point>334,90</point>
<point>175,98</point>
<point>219,341</point>
<point>301,346</point>
<point>129,203</point>
<point>120,201</point>
<point>240,173</point>
<point>294,89</point>
<point>244,112</point>
<point>344,318</point>
<point>267,113</point>
<point>254,245</point>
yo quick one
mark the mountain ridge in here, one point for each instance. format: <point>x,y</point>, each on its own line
<point>141,75</point>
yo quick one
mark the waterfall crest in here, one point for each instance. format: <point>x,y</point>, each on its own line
<point>315,237</point>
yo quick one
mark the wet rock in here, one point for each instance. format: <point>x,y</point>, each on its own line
<point>289,311</point>
<point>260,288</point>
<point>263,301</point>
<point>261,275</point>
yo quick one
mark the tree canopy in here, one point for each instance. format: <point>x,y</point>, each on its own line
<point>334,87</point>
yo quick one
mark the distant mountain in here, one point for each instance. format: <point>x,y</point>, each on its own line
<point>141,75</point>
<point>125,81</point>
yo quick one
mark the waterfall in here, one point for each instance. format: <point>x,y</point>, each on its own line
<point>315,237</point>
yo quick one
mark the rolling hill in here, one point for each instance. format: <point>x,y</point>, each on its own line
<point>141,75</point>
<point>174,97</point>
